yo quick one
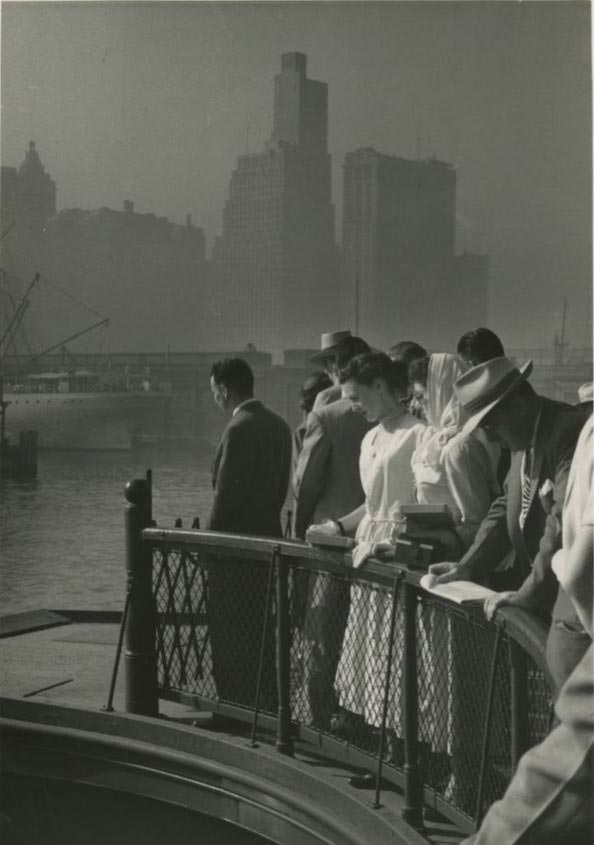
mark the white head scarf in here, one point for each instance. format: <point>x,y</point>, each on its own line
<point>444,415</point>
<point>442,408</point>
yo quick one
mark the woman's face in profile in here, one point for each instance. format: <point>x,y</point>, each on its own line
<point>417,403</point>
<point>365,399</point>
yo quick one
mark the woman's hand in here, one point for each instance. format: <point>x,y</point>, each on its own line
<point>448,570</point>
<point>384,550</point>
<point>499,600</point>
<point>327,527</point>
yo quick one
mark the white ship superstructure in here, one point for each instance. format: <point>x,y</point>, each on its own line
<point>77,410</point>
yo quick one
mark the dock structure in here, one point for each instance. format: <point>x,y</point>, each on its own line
<point>452,702</point>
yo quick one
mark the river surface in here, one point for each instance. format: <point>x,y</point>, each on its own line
<point>62,535</point>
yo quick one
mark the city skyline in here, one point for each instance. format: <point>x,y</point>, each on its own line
<point>524,175</point>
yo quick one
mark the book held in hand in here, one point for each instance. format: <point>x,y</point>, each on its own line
<point>428,516</point>
<point>460,592</point>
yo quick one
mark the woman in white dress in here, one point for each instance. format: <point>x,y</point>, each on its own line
<point>377,388</point>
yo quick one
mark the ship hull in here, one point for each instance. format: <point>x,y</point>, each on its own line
<point>95,421</point>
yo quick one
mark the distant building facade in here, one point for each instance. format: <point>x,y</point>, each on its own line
<point>399,263</point>
<point>27,202</point>
<point>274,269</point>
<point>143,272</point>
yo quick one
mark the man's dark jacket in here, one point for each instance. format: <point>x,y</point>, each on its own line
<point>534,545</point>
<point>251,473</point>
<point>327,479</point>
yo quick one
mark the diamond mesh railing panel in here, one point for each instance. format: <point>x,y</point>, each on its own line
<point>210,612</point>
<point>454,654</point>
<point>184,658</point>
<point>210,608</point>
<point>339,653</point>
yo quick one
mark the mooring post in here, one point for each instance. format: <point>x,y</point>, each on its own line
<point>139,656</point>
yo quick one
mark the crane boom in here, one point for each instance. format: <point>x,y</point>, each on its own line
<point>17,317</point>
<point>103,322</point>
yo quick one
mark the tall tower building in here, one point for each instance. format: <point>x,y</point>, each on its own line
<point>274,267</point>
<point>27,202</point>
<point>399,261</point>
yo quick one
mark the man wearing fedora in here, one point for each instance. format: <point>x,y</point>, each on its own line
<point>327,484</point>
<point>325,358</point>
<point>541,435</point>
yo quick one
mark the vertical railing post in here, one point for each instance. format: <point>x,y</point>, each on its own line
<point>139,656</point>
<point>263,642</point>
<point>412,812</point>
<point>387,678</point>
<point>284,741</point>
<point>519,716</point>
<point>478,814</point>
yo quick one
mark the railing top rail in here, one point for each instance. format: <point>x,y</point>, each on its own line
<point>528,630</point>
<point>305,555</point>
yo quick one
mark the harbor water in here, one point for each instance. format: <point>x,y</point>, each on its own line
<point>62,535</point>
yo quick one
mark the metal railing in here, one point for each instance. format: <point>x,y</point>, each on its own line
<point>378,673</point>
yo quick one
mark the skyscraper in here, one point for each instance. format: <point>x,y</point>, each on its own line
<point>399,260</point>
<point>274,267</point>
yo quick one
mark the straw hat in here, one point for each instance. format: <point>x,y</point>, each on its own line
<point>483,387</point>
<point>328,344</point>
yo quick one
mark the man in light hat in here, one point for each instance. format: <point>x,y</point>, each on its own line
<point>541,434</point>
<point>327,484</point>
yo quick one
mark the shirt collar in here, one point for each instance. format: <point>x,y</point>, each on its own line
<point>242,405</point>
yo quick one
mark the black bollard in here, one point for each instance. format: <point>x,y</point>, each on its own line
<point>139,656</point>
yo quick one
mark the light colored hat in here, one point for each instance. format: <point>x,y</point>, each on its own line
<point>483,387</point>
<point>585,392</point>
<point>329,343</point>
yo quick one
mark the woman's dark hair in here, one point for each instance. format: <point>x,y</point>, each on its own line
<point>348,348</point>
<point>236,374</point>
<point>407,351</point>
<point>480,345</point>
<point>418,369</point>
<point>365,368</point>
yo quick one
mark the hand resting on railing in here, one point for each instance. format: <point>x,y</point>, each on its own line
<point>447,571</point>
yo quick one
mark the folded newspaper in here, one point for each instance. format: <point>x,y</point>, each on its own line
<point>461,592</point>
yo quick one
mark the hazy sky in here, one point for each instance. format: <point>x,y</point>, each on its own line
<point>154,101</point>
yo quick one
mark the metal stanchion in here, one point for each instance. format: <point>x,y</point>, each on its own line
<point>273,560</point>
<point>140,660</point>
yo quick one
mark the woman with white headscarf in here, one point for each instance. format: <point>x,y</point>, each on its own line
<point>450,468</point>
<point>459,471</point>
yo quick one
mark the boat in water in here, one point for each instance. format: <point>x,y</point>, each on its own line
<point>74,408</point>
<point>84,409</point>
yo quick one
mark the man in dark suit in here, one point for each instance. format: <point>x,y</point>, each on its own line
<point>541,435</point>
<point>250,479</point>
<point>253,459</point>
<point>328,485</point>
